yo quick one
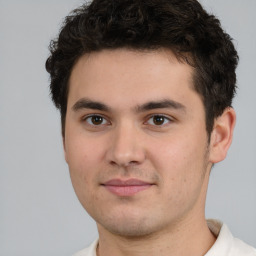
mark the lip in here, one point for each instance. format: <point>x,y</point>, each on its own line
<point>126,187</point>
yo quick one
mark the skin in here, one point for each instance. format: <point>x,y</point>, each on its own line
<point>135,134</point>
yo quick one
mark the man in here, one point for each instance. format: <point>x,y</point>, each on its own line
<point>145,91</point>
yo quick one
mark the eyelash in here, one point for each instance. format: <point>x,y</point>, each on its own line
<point>166,120</point>
<point>86,118</point>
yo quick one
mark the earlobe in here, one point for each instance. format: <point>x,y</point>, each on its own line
<point>222,134</point>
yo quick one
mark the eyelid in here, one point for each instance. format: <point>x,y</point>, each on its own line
<point>167,117</point>
<point>84,118</point>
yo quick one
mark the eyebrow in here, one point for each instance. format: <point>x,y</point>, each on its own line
<point>90,104</point>
<point>85,103</point>
<point>166,103</point>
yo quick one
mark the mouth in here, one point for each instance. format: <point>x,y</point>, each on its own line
<point>126,187</point>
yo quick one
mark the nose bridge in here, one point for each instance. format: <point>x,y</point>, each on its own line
<point>126,145</point>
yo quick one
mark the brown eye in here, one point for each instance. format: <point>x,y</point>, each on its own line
<point>96,120</point>
<point>158,120</point>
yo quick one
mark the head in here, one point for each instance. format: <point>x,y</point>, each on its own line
<point>145,90</point>
<point>184,27</point>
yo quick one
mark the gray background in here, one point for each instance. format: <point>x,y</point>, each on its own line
<point>39,212</point>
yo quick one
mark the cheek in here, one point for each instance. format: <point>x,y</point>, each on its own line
<point>176,153</point>
<point>82,152</point>
<point>180,161</point>
<point>82,158</point>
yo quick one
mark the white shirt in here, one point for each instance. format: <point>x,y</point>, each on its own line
<point>225,245</point>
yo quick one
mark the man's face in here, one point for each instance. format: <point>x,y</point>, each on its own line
<point>135,141</point>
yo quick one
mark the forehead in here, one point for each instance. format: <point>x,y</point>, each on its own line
<point>122,75</point>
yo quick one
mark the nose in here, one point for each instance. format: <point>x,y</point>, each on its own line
<point>126,146</point>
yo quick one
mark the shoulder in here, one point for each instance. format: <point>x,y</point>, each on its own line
<point>89,251</point>
<point>226,244</point>
<point>239,248</point>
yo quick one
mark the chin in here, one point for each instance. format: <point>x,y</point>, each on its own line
<point>130,227</point>
<point>128,231</point>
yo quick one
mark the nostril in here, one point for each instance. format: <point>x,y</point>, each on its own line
<point>131,163</point>
<point>113,163</point>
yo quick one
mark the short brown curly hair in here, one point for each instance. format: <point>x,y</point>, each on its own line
<point>180,25</point>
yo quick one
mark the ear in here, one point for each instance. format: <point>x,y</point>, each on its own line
<point>64,148</point>
<point>222,134</point>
